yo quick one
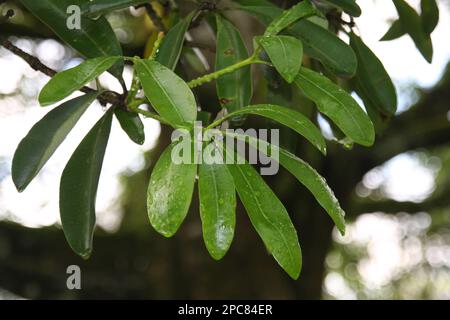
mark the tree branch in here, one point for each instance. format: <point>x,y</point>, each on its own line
<point>390,206</point>
<point>157,22</point>
<point>107,97</point>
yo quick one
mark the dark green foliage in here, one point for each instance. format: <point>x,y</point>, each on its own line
<point>307,57</point>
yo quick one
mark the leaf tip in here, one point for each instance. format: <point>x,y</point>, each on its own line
<point>342,230</point>
<point>44,101</point>
<point>323,149</point>
<point>19,187</point>
<point>85,255</point>
<point>295,275</point>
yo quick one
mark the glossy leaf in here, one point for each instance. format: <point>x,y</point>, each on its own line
<point>64,83</point>
<point>217,208</point>
<point>412,23</point>
<point>286,54</point>
<point>326,47</point>
<point>235,89</point>
<point>94,38</point>
<point>304,173</point>
<point>44,138</point>
<point>338,105</point>
<point>170,193</point>
<point>262,9</point>
<point>296,12</point>
<point>348,6</point>
<point>170,50</point>
<point>430,15</point>
<point>318,42</point>
<point>288,117</point>
<point>167,92</point>
<point>100,7</point>
<point>395,31</point>
<point>279,92</point>
<point>78,189</point>
<point>132,124</point>
<point>269,217</point>
<point>373,77</point>
<point>379,119</point>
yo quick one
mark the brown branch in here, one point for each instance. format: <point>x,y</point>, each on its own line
<point>107,97</point>
<point>32,61</point>
<point>155,18</point>
<point>9,14</point>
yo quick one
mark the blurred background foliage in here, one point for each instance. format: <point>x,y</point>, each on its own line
<point>398,242</point>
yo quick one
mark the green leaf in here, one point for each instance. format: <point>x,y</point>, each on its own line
<point>430,15</point>
<point>96,8</point>
<point>217,208</point>
<point>348,6</point>
<point>412,23</point>
<point>44,138</point>
<point>170,50</point>
<point>235,89</point>
<point>262,9</point>
<point>64,83</point>
<point>279,92</point>
<point>395,31</point>
<point>94,38</point>
<point>296,12</point>
<point>286,54</point>
<point>326,47</point>
<point>318,42</point>
<point>288,117</point>
<point>338,105</point>
<point>78,189</point>
<point>379,119</point>
<point>373,77</point>
<point>305,174</point>
<point>170,193</point>
<point>132,124</point>
<point>167,92</point>
<point>269,217</point>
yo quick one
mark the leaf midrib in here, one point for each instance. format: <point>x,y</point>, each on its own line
<point>252,192</point>
<point>350,114</point>
<point>61,14</point>
<point>174,106</point>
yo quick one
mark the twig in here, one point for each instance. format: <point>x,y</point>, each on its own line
<point>230,69</point>
<point>9,14</point>
<point>106,97</point>
<point>155,18</point>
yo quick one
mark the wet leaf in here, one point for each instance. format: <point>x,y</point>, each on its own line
<point>217,208</point>
<point>235,89</point>
<point>338,105</point>
<point>64,83</point>
<point>170,193</point>
<point>45,137</point>
<point>78,188</point>
<point>286,54</point>
<point>269,217</point>
<point>132,124</point>
<point>91,38</point>
<point>167,92</point>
